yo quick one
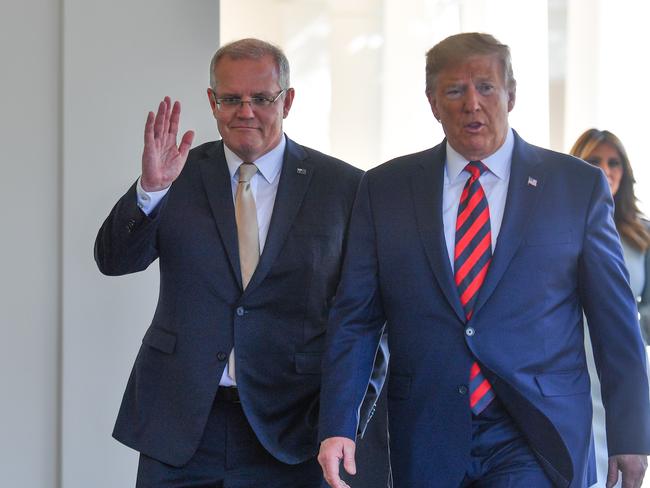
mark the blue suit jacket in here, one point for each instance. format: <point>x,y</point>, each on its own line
<point>277,324</point>
<point>557,254</point>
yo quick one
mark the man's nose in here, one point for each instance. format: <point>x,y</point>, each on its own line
<point>245,110</point>
<point>471,100</point>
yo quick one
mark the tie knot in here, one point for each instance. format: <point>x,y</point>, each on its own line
<point>476,168</point>
<point>246,172</point>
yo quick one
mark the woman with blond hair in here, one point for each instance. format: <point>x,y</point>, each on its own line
<point>603,149</point>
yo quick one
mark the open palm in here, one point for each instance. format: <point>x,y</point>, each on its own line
<point>162,158</point>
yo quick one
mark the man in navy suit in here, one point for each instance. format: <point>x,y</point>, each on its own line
<point>482,254</point>
<point>249,233</point>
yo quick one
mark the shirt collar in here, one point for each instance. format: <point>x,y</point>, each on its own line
<point>269,164</point>
<point>498,163</point>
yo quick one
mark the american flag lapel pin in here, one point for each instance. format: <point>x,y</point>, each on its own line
<point>532,181</point>
<point>301,171</point>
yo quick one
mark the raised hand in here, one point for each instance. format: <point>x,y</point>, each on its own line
<point>162,159</point>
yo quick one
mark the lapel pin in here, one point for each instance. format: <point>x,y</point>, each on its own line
<point>301,171</point>
<point>532,181</point>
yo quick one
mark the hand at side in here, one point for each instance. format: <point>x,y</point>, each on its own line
<point>631,466</point>
<point>332,450</point>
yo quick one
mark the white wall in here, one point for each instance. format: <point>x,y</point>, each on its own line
<point>77,81</point>
<point>29,242</point>
<point>120,58</point>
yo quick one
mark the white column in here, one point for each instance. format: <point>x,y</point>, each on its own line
<point>355,45</point>
<point>411,28</point>
<point>582,60</point>
<point>30,242</point>
<point>606,73</point>
<point>120,59</point>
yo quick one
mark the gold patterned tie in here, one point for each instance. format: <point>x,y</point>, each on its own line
<point>247,234</point>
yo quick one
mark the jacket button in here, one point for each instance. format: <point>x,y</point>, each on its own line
<point>240,311</point>
<point>221,356</point>
<point>469,332</point>
<point>130,225</point>
<point>462,389</point>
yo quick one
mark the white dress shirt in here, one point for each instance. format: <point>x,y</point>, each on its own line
<point>494,183</point>
<point>264,186</point>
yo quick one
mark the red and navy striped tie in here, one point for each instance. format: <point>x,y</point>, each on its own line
<point>472,255</point>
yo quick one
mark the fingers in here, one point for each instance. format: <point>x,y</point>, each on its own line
<point>159,122</point>
<point>163,122</point>
<point>348,458</point>
<point>331,472</point>
<point>632,480</point>
<point>632,467</point>
<point>332,450</point>
<point>329,461</point>
<point>186,144</point>
<point>612,472</point>
<point>162,159</point>
<point>163,127</point>
<point>167,117</point>
<point>175,117</point>
<point>166,120</point>
<point>148,129</point>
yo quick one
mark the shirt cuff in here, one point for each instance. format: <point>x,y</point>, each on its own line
<point>148,200</point>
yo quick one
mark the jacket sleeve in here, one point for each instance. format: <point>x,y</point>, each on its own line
<point>354,329</point>
<point>644,305</point>
<point>126,241</point>
<point>612,318</point>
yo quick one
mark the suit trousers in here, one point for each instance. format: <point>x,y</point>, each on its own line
<point>229,456</point>
<point>500,455</point>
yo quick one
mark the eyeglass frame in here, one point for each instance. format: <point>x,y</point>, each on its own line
<point>256,102</point>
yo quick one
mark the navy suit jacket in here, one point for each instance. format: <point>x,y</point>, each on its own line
<point>277,324</point>
<point>557,255</point>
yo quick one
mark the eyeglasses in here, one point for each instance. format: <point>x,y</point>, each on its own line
<point>611,163</point>
<point>230,104</point>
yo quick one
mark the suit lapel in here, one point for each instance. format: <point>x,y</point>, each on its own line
<point>295,176</point>
<point>525,187</point>
<point>216,180</point>
<point>427,186</point>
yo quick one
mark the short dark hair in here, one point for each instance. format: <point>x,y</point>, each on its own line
<point>459,47</point>
<point>251,48</point>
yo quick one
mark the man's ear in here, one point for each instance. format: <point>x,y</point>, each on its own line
<point>512,95</point>
<point>433,104</point>
<point>288,101</point>
<point>212,98</point>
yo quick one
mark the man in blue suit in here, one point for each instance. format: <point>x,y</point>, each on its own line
<point>482,254</point>
<point>248,233</point>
